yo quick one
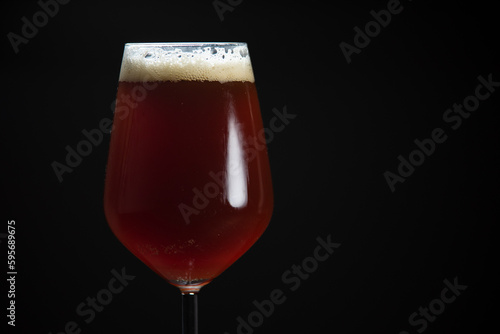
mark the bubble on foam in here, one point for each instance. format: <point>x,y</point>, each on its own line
<point>153,63</point>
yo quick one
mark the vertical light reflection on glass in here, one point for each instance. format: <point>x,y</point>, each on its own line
<point>236,169</point>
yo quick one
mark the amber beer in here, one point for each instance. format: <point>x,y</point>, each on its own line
<point>181,192</point>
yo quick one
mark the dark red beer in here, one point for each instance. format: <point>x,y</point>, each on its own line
<point>187,189</point>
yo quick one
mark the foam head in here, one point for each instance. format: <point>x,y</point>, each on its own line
<point>221,62</point>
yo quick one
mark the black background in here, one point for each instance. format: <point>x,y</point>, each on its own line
<point>352,122</point>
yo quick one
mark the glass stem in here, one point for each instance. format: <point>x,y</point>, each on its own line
<point>190,313</point>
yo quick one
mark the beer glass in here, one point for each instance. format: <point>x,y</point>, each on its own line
<point>188,185</point>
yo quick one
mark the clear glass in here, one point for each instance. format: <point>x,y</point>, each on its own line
<point>188,185</point>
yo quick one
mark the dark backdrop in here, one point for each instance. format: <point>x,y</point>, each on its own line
<point>399,250</point>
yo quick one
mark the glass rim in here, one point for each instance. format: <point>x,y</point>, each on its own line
<point>184,44</point>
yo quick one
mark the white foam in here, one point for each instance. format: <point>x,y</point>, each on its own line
<point>163,62</point>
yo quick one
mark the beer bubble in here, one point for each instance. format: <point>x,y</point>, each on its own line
<point>244,52</point>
